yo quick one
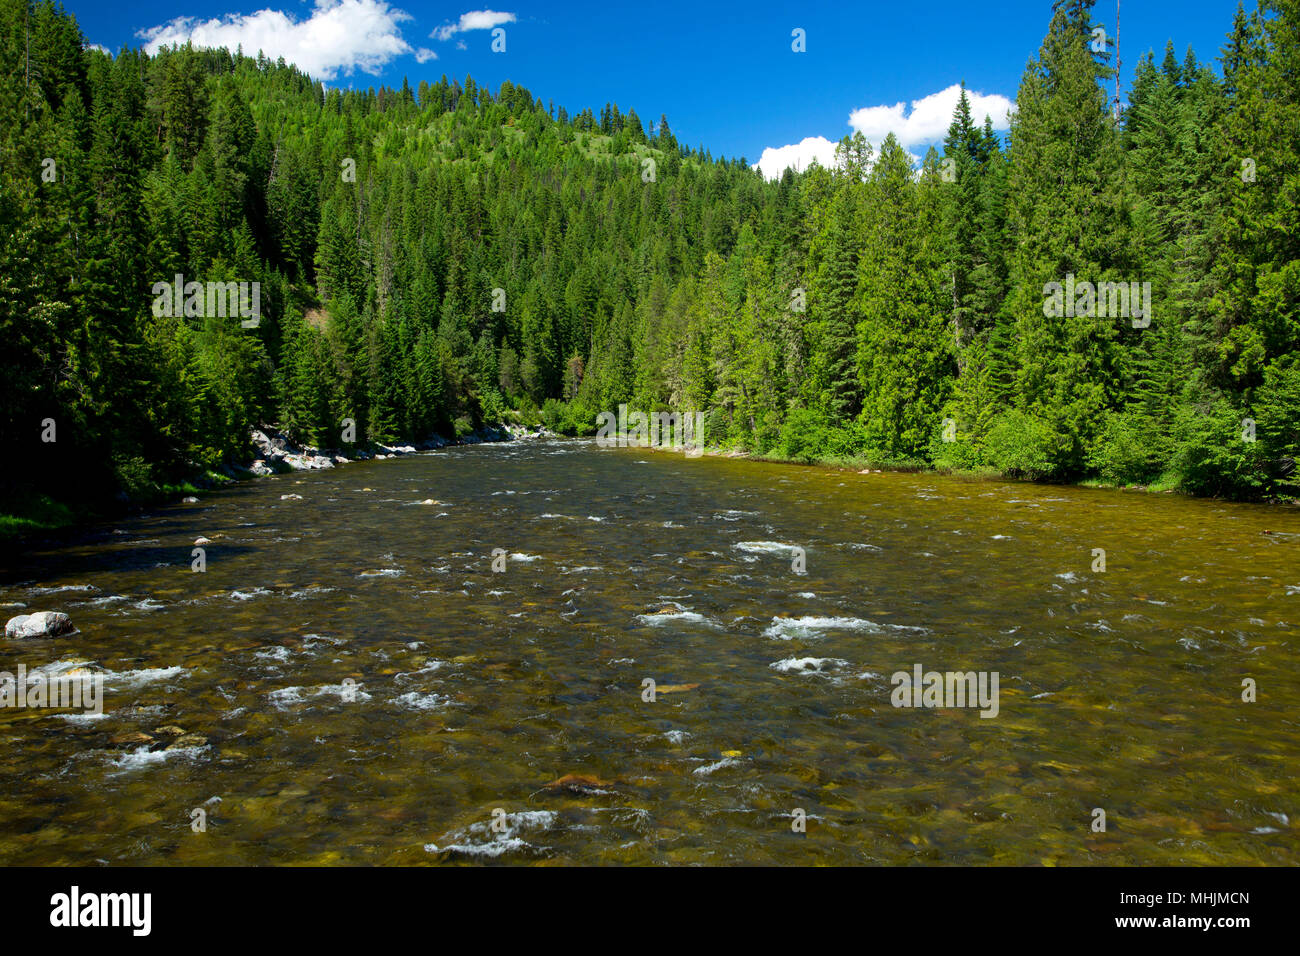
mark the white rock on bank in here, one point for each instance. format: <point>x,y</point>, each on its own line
<point>307,462</point>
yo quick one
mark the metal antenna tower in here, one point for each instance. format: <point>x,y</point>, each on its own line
<point>1118,61</point>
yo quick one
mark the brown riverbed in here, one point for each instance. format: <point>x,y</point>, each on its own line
<point>353,683</point>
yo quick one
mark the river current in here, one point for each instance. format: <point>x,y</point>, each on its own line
<point>444,658</point>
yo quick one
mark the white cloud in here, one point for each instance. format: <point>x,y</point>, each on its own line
<point>424,55</point>
<point>474,20</point>
<point>930,116</point>
<point>797,156</point>
<point>100,48</point>
<point>927,123</point>
<point>339,36</point>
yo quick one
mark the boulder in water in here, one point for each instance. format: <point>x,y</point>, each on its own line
<point>40,624</point>
<point>579,784</point>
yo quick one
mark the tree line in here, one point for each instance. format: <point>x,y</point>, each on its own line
<point>438,258</point>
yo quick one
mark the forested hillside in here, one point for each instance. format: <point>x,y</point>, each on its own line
<point>435,258</point>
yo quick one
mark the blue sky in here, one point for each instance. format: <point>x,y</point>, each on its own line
<point>724,74</point>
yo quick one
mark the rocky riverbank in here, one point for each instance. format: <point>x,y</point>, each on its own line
<point>273,453</point>
<point>276,453</point>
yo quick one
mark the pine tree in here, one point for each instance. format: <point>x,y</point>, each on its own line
<point>834,315</point>
<point>905,347</point>
<point>1067,217</point>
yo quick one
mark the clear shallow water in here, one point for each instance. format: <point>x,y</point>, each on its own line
<point>473,690</point>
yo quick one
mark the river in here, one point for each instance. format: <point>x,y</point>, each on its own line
<point>351,682</point>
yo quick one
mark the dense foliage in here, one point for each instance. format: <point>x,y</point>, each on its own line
<point>432,259</point>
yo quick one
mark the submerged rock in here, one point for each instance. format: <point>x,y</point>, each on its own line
<point>674,688</point>
<point>580,784</point>
<point>134,737</point>
<point>40,624</point>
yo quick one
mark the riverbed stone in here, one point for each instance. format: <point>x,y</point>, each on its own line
<point>133,737</point>
<point>39,624</point>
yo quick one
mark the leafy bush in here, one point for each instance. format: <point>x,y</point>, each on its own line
<point>958,455</point>
<point>33,513</point>
<point>1216,459</point>
<point>803,436</point>
<point>963,453</point>
<point>768,433</point>
<point>133,476</point>
<point>553,415</point>
<point>1020,446</point>
<point>579,418</point>
<point>847,441</point>
<point>1127,451</point>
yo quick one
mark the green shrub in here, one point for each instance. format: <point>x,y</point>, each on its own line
<point>553,415</point>
<point>33,513</point>
<point>767,435</point>
<point>1128,450</point>
<point>579,418</point>
<point>845,442</point>
<point>134,477</point>
<point>958,455</point>
<point>803,436</point>
<point>1216,459</point>
<point>1020,446</point>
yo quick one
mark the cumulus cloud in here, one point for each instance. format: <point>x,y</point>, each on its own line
<point>926,123</point>
<point>99,47</point>
<point>339,36</point>
<point>930,116</point>
<point>797,156</point>
<point>474,20</point>
<point>424,55</point>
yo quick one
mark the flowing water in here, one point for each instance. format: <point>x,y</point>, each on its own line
<point>351,682</point>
